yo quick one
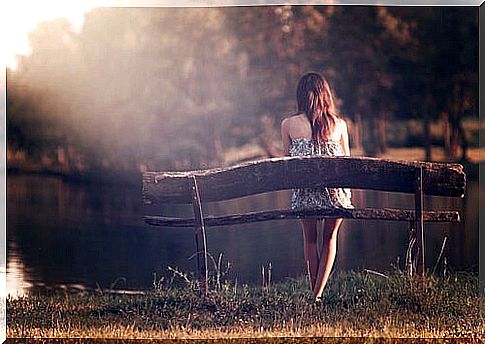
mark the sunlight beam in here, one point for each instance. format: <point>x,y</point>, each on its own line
<point>20,17</point>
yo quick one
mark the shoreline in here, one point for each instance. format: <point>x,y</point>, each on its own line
<point>119,178</point>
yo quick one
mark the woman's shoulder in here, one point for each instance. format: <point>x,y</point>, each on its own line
<point>288,121</point>
<point>291,119</point>
<point>339,128</point>
<point>341,123</point>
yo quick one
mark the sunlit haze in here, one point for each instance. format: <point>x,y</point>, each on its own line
<point>21,17</point>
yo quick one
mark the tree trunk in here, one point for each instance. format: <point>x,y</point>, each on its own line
<point>427,137</point>
<point>381,133</point>
<point>454,119</point>
<point>458,133</point>
<point>464,141</point>
<point>454,136</point>
<point>445,122</point>
<point>357,132</point>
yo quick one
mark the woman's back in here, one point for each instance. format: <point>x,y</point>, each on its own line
<point>297,130</point>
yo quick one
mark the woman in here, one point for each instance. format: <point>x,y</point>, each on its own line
<point>317,130</point>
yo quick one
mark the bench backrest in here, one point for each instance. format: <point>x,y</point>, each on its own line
<point>439,179</point>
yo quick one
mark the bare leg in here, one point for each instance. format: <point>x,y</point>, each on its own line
<point>310,250</point>
<point>327,258</point>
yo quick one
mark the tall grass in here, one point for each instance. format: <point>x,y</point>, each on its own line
<point>354,304</point>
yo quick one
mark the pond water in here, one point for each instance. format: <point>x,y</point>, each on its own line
<point>62,233</point>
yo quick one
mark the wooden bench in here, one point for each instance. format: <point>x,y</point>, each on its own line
<point>220,184</point>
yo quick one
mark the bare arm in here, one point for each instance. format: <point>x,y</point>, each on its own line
<point>344,140</point>
<point>285,138</point>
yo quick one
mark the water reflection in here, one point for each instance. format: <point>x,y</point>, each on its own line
<point>16,283</point>
<point>61,233</point>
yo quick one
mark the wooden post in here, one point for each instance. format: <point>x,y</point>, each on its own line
<point>200,240</point>
<point>419,224</point>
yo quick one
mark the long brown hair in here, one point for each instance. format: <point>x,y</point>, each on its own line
<point>315,99</point>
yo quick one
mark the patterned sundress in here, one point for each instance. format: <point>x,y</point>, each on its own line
<point>318,197</point>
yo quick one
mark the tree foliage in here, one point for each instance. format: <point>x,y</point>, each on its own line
<point>176,87</point>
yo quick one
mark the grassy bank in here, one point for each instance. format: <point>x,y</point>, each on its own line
<point>354,304</point>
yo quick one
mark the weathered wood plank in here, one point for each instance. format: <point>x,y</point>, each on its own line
<point>297,172</point>
<point>284,214</point>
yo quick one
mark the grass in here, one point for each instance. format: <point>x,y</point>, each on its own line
<point>354,304</point>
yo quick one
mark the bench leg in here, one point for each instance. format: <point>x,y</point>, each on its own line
<point>200,240</point>
<point>418,208</point>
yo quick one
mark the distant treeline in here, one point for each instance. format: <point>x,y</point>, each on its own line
<point>174,88</point>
